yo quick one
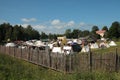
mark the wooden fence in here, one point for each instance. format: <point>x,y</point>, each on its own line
<point>73,62</point>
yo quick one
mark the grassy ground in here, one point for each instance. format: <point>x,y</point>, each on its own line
<point>15,69</point>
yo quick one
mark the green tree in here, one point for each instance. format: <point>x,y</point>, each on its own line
<point>93,32</point>
<point>43,35</point>
<point>105,28</point>
<point>85,33</point>
<point>5,31</point>
<point>68,33</point>
<point>8,34</point>
<point>94,29</point>
<point>16,33</point>
<point>114,30</point>
<point>106,31</point>
<point>75,33</point>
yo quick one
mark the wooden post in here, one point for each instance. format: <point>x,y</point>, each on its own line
<point>5,49</point>
<point>28,54</point>
<point>65,67</point>
<point>70,62</point>
<point>21,53</point>
<point>50,59</point>
<point>14,51</point>
<point>116,61</point>
<point>90,60</point>
<point>47,56</point>
<point>38,56</point>
<point>9,51</point>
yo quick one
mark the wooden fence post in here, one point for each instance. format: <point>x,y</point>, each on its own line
<point>38,56</point>
<point>116,61</point>
<point>70,62</point>
<point>65,67</point>
<point>14,51</point>
<point>90,60</point>
<point>28,54</point>
<point>21,53</point>
<point>50,59</point>
<point>9,51</point>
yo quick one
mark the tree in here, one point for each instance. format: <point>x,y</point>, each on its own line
<point>3,29</point>
<point>43,35</point>
<point>16,33</point>
<point>8,35</point>
<point>106,31</point>
<point>105,28</point>
<point>114,30</point>
<point>75,33</point>
<point>68,33</point>
<point>85,33</point>
<point>94,29</point>
<point>93,32</point>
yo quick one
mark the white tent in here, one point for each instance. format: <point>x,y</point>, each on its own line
<point>112,43</point>
<point>69,42</point>
<point>67,49</point>
<point>75,40</point>
<point>57,50</point>
<point>29,43</point>
<point>50,45</point>
<point>85,49</point>
<point>94,46</point>
<point>103,44</point>
<point>39,43</point>
<point>10,45</point>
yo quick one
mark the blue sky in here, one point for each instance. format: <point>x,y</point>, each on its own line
<point>55,16</point>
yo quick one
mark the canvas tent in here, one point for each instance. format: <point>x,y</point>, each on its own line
<point>57,50</point>
<point>85,49</point>
<point>94,46</point>
<point>29,43</point>
<point>112,43</point>
<point>39,43</point>
<point>67,49</point>
<point>10,44</point>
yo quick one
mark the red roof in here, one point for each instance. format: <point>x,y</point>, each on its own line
<point>100,31</point>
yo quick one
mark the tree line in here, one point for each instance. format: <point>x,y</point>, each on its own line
<point>17,32</point>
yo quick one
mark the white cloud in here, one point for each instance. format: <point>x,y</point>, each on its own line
<point>58,26</point>
<point>55,22</point>
<point>29,20</point>
<point>82,24</point>
<point>25,25</point>
<point>3,21</point>
<point>70,23</point>
<point>85,26</point>
<point>39,26</point>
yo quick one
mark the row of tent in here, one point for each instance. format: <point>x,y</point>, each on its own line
<point>67,49</point>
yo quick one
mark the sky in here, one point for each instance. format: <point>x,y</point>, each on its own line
<point>55,16</point>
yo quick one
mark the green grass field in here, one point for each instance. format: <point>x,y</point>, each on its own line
<point>15,69</point>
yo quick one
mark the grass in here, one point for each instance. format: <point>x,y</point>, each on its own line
<point>15,69</point>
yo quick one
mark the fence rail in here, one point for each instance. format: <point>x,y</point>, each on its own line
<point>66,63</point>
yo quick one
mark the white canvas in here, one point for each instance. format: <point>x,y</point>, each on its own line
<point>112,43</point>
<point>85,49</point>
<point>57,50</point>
<point>10,45</point>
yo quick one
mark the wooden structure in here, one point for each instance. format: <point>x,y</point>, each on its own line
<point>66,63</point>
